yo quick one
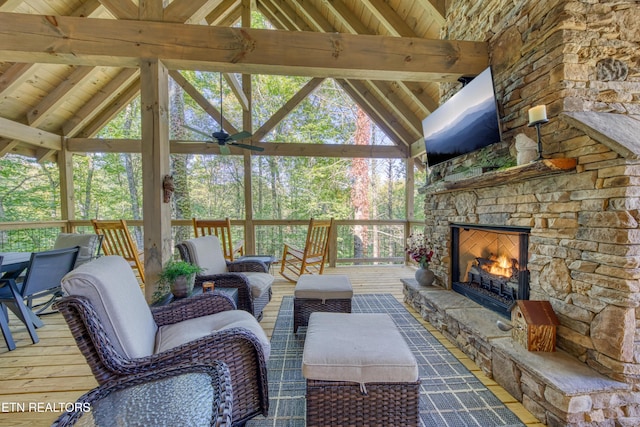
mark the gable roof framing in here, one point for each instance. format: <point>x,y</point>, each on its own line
<point>88,59</point>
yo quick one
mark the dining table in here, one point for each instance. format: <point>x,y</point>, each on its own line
<point>12,265</point>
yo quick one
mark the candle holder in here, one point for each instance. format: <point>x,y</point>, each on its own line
<point>537,124</point>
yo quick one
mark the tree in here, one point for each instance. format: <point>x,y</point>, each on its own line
<point>361,182</point>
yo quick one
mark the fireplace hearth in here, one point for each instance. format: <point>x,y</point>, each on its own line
<point>489,264</point>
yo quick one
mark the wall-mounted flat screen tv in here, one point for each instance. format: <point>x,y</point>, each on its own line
<point>466,122</point>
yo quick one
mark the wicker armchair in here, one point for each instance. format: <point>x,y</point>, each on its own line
<point>119,335</point>
<point>250,277</point>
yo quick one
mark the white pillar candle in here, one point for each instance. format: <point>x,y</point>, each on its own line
<point>537,114</point>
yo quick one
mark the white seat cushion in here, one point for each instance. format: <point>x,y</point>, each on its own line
<point>362,348</point>
<point>324,287</point>
<point>113,290</point>
<point>259,282</point>
<point>171,336</point>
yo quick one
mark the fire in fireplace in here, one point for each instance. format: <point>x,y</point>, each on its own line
<point>489,264</point>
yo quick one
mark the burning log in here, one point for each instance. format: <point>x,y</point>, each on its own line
<point>500,285</point>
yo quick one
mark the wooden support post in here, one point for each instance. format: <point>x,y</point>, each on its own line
<point>154,93</point>
<point>67,196</point>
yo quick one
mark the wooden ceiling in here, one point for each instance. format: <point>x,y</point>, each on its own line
<point>68,66</point>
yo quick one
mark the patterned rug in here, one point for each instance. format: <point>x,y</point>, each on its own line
<point>450,395</point>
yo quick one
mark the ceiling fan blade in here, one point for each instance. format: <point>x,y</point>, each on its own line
<point>240,135</point>
<point>224,149</point>
<point>248,147</point>
<point>208,135</point>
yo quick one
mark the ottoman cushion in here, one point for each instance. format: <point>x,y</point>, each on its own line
<point>362,348</point>
<point>324,287</point>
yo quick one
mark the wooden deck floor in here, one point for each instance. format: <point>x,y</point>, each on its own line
<point>54,372</point>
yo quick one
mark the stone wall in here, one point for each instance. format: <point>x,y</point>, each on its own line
<point>585,244</point>
<point>569,55</point>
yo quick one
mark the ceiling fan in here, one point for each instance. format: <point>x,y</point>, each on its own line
<point>223,139</point>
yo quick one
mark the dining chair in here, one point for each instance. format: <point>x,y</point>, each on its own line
<point>310,259</point>
<point>221,228</point>
<point>118,241</point>
<point>4,323</point>
<point>43,277</point>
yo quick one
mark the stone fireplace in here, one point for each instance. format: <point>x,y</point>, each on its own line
<point>579,212</point>
<point>489,264</point>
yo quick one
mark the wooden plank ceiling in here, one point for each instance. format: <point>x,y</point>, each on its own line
<point>68,66</point>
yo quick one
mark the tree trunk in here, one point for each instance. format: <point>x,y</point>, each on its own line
<point>360,189</point>
<point>179,163</point>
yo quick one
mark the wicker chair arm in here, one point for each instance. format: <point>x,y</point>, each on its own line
<point>247,265</point>
<point>192,307</point>
<point>232,280</point>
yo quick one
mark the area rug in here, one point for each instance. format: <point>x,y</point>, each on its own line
<point>450,395</point>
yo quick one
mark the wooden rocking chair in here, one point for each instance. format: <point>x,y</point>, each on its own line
<point>311,259</point>
<point>117,241</point>
<point>221,228</point>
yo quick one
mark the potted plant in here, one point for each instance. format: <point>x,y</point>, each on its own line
<point>178,277</point>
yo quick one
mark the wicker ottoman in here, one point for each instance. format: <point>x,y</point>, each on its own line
<point>328,293</point>
<point>359,371</point>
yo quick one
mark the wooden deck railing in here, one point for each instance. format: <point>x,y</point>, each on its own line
<point>385,238</point>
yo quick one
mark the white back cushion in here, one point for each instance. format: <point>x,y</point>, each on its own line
<point>88,245</point>
<point>206,253</point>
<point>113,290</point>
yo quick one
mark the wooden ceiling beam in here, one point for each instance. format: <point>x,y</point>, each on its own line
<point>389,19</point>
<point>56,97</point>
<point>7,146</point>
<point>32,136</point>
<point>100,120</point>
<point>348,19</point>
<point>388,91</point>
<point>121,9</point>
<point>275,16</point>
<point>106,94</point>
<point>437,8</point>
<point>74,40</point>
<point>222,11</point>
<point>94,145</point>
<point>189,12</point>
<point>236,88</point>
<point>14,76</point>
<point>313,16</point>
<point>284,7</point>
<point>292,103</point>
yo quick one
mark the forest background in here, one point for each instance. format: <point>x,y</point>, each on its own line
<point>108,185</point>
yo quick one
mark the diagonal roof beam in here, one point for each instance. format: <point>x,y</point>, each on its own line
<point>236,88</point>
<point>122,9</point>
<point>107,94</point>
<point>221,12</point>
<point>56,97</point>
<point>292,103</point>
<point>62,39</point>
<point>202,102</point>
<point>189,12</point>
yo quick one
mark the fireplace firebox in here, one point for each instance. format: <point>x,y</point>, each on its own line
<point>489,264</point>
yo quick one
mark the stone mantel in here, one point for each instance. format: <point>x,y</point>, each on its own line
<point>514,174</point>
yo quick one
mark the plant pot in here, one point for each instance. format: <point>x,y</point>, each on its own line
<point>425,277</point>
<point>182,287</point>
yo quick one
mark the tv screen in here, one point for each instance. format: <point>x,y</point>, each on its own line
<point>466,122</point>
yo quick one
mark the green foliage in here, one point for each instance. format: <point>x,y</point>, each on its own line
<point>172,270</point>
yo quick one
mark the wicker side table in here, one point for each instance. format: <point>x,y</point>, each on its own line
<point>194,395</point>
<point>330,293</point>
